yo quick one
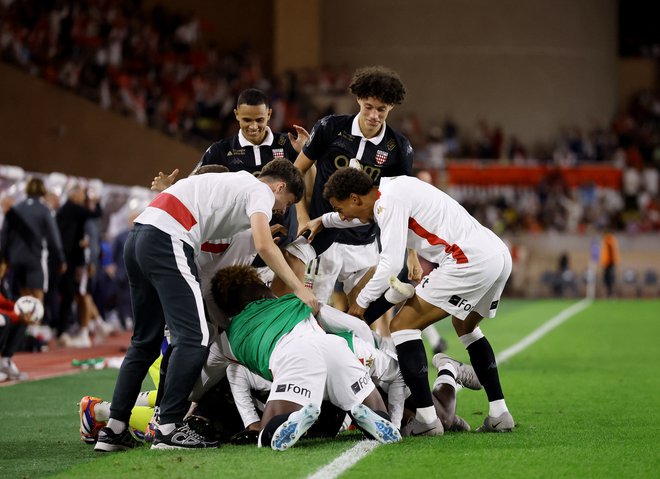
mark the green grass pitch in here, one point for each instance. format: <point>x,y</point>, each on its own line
<point>586,399</point>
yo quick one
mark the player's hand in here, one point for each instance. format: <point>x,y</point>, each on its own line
<point>278,232</point>
<point>415,271</point>
<point>307,296</point>
<point>357,311</point>
<point>314,227</point>
<point>163,181</point>
<point>300,139</point>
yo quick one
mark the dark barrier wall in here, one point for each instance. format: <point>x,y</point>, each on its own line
<point>44,128</point>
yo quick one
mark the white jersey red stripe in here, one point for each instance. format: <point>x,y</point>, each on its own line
<point>177,210</point>
<point>419,216</point>
<point>212,206</point>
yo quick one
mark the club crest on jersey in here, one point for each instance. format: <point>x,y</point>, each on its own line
<point>278,153</point>
<point>381,157</point>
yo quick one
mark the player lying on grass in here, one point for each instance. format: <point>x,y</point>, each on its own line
<point>280,339</point>
<point>473,266</point>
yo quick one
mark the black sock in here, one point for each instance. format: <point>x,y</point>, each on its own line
<point>377,309</point>
<point>415,370</point>
<point>271,427</point>
<point>483,361</point>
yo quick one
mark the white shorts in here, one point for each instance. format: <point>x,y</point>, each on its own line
<point>461,289</point>
<point>344,263</point>
<point>301,249</point>
<point>307,364</point>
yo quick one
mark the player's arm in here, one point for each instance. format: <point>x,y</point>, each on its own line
<point>304,164</point>
<point>334,321</point>
<point>272,256</point>
<point>393,222</point>
<point>239,383</point>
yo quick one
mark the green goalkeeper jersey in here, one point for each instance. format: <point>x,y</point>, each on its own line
<point>254,331</point>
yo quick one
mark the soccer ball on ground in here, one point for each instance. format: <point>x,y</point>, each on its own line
<point>30,306</point>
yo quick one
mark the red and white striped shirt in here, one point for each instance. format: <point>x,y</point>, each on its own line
<point>209,207</point>
<point>419,216</point>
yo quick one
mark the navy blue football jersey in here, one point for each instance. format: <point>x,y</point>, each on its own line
<point>332,145</point>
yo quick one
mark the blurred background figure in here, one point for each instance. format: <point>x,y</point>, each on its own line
<point>12,332</point>
<point>29,238</point>
<point>609,258</point>
<point>71,220</point>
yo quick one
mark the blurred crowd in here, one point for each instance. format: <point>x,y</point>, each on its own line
<point>157,67</point>
<point>62,242</point>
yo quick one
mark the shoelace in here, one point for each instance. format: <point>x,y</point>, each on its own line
<point>191,433</point>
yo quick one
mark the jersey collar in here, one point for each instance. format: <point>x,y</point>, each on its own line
<point>268,141</point>
<point>355,131</point>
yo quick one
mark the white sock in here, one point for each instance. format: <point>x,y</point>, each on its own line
<point>426,414</point>
<point>446,378</point>
<point>117,426</point>
<point>143,399</point>
<point>497,408</point>
<point>102,411</point>
<point>166,429</point>
<point>472,337</point>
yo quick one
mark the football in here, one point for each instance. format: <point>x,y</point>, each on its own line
<point>31,306</point>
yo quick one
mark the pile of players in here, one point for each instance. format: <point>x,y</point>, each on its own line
<point>239,266</point>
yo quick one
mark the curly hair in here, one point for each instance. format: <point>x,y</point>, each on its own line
<point>378,82</point>
<point>234,287</point>
<point>283,170</point>
<point>345,181</point>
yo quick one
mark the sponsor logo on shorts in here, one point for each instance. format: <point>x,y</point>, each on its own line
<point>494,304</point>
<point>358,385</point>
<point>459,302</point>
<point>295,389</point>
<point>424,281</point>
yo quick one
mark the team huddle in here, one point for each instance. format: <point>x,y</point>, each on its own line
<point>221,260</point>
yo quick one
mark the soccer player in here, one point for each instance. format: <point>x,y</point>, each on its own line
<point>279,339</point>
<point>250,150</point>
<point>473,266</point>
<point>364,141</point>
<point>160,261</point>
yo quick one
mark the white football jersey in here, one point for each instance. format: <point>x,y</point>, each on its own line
<point>208,207</point>
<point>416,215</point>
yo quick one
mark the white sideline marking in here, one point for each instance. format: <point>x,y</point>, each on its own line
<point>542,330</point>
<point>350,457</point>
<point>346,460</point>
